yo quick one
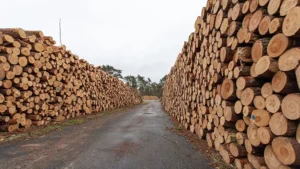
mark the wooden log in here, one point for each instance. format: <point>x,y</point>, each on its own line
<point>270,158</point>
<point>291,23</point>
<point>240,162</point>
<point>246,7</point>
<point>286,150</point>
<point>266,67</point>
<point>279,44</point>
<point>264,25</point>
<point>227,90</point>
<point>253,5</point>
<point>257,161</point>
<point>297,72</point>
<point>265,135</point>
<point>281,126</point>
<point>298,133</point>
<point>248,95</point>
<point>263,3</point>
<point>241,71</point>
<point>244,82</point>
<point>237,12</point>
<point>274,6</point>
<point>209,140</point>
<point>287,5</point>
<point>237,150</point>
<point>241,35</point>
<point>238,107</point>
<point>9,128</point>
<point>246,20</point>
<point>289,60</point>
<point>259,49</point>
<point>266,90</point>
<point>244,54</point>
<point>227,157</point>
<point>230,115</point>
<point>275,25</point>
<point>290,106</point>
<point>251,38</point>
<point>252,136</point>
<point>240,125</point>
<point>255,20</point>
<point>226,4</point>
<point>273,103</point>
<point>247,111</point>
<point>219,19</point>
<point>251,149</point>
<point>248,166</point>
<point>38,34</point>
<point>240,137</point>
<point>260,118</point>
<point>14,32</point>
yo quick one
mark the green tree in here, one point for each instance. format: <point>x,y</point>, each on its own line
<point>131,81</point>
<point>112,71</point>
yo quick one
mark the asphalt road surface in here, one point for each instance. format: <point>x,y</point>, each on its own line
<point>136,138</point>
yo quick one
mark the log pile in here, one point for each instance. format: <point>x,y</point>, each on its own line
<point>150,98</point>
<point>42,83</point>
<point>236,82</point>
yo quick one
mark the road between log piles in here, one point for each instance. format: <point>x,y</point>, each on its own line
<point>135,138</point>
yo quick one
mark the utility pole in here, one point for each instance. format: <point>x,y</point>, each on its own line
<point>60,31</point>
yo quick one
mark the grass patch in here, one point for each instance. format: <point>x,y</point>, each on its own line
<point>179,128</point>
<point>73,122</point>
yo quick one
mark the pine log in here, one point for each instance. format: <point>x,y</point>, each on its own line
<point>286,150</point>
<point>266,90</point>
<point>264,25</point>
<point>240,162</point>
<point>248,95</point>
<point>237,150</point>
<point>271,159</point>
<point>290,106</point>
<point>255,20</point>
<point>265,135</point>
<point>291,23</point>
<point>260,118</point>
<point>274,6</point>
<point>276,25</point>
<point>297,72</point>
<point>281,126</point>
<point>273,103</point>
<point>259,49</point>
<point>266,67</point>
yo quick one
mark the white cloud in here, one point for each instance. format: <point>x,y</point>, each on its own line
<point>137,36</point>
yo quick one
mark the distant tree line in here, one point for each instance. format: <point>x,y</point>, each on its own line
<point>144,85</point>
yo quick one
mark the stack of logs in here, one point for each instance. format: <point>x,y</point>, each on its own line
<point>150,98</point>
<point>41,82</point>
<point>236,82</point>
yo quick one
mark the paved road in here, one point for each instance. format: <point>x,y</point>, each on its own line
<point>134,139</point>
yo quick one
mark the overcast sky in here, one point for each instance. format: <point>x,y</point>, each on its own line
<point>137,36</point>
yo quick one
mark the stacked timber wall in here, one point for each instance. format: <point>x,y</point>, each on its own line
<point>41,82</point>
<point>235,82</point>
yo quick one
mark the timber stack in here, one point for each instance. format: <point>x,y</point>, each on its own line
<point>150,98</point>
<point>42,83</point>
<point>236,82</point>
